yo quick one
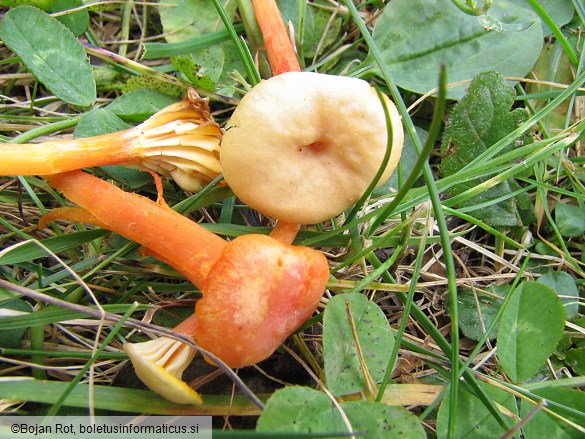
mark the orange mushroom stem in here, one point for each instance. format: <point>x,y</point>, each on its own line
<point>279,48</point>
<point>180,141</point>
<point>164,233</point>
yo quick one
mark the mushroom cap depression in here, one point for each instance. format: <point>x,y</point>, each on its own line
<point>303,147</point>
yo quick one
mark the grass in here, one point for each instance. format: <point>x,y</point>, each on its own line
<point>424,252</point>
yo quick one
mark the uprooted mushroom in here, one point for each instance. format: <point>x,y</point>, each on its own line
<point>180,141</point>
<point>256,290</point>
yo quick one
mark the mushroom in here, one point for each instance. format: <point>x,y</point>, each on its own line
<point>256,289</point>
<point>180,141</point>
<point>303,147</point>
<point>257,294</point>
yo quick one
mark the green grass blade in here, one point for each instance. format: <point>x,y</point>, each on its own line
<point>358,206</point>
<point>123,399</point>
<point>240,45</point>
<point>53,314</point>
<point>54,410</point>
<point>58,244</point>
<point>439,216</point>
<point>166,50</point>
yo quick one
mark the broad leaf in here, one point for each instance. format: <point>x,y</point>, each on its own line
<point>473,419</point>
<point>416,37</point>
<point>570,220</point>
<point>51,52</point>
<point>300,409</point>
<point>195,74</point>
<point>45,5</point>
<point>477,122</point>
<point>564,285</point>
<point>343,370</point>
<point>543,425</point>
<point>99,121</point>
<point>560,11</point>
<point>154,84</point>
<point>306,410</point>
<point>78,21</point>
<point>575,358</point>
<point>477,311</point>
<point>532,325</point>
<point>378,420</point>
<point>139,105</point>
<point>103,121</point>
<point>184,20</point>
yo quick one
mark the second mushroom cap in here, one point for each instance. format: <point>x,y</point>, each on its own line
<point>303,147</point>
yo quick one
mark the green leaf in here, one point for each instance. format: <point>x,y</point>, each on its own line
<point>476,317</point>
<point>305,410</point>
<point>121,399</point>
<point>103,121</point>
<point>51,52</point>
<point>99,121</point>
<point>11,338</point>
<point>30,251</point>
<point>54,314</point>
<point>149,82</point>
<point>575,358</point>
<point>185,20</point>
<point>543,425</point>
<point>479,120</point>
<point>570,220</point>
<point>300,410</point>
<point>564,285</point>
<point>472,418</point>
<point>137,106</point>
<point>45,5</point>
<point>532,325</point>
<point>416,37</point>
<point>560,11</point>
<point>78,21</point>
<point>133,178</point>
<point>378,420</point>
<point>195,73</point>
<point>318,30</point>
<point>342,367</point>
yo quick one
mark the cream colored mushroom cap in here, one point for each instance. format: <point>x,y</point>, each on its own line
<point>303,147</point>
